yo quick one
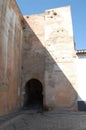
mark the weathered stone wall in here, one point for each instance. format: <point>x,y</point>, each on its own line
<point>60,80</point>
<point>33,58</point>
<point>48,55</point>
<point>10,55</point>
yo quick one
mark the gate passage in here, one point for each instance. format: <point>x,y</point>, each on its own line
<point>33,94</point>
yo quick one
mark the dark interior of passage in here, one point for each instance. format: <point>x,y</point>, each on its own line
<point>33,93</point>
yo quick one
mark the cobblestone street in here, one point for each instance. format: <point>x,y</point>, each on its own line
<point>28,120</point>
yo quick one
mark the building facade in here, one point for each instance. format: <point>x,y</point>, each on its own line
<point>38,61</point>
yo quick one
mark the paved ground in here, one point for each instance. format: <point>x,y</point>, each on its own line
<point>35,120</point>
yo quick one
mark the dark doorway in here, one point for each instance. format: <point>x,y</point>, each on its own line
<point>33,94</point>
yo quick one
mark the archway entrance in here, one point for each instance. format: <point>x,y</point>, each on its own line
<point>33,94</point>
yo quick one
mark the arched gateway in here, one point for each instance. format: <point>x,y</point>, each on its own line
<point>33,94</point>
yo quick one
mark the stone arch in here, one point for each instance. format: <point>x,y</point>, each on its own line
<point>33,93</point>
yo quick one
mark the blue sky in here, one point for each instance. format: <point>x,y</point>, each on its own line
<point>78,10</point>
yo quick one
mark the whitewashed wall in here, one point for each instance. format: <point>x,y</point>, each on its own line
<point>81,76</point>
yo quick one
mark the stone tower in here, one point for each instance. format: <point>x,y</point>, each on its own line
<point>48,56</point>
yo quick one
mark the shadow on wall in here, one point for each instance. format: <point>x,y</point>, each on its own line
<point>39,64</point>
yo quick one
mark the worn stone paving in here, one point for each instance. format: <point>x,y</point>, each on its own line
<point>53,120</point>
